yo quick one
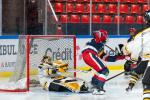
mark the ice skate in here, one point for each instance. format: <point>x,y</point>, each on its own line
<point>127,73</point>
<point>129,88</point>
<point>98,91</point>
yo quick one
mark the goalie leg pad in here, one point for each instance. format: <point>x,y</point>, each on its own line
<point>68,84</point>
<point>56,87</point>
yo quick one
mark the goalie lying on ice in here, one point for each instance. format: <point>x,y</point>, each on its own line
<point>52,81</point>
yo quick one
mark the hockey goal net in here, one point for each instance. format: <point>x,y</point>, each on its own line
<point>31,49</point>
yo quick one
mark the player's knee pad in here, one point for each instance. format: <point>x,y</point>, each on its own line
<point>104,71</point>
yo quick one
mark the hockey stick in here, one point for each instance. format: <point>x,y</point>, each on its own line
<point>122,72</point>
<point>115,75</point>
<point>120,47</point>
<point>76,70</point>
<point>110,48</point>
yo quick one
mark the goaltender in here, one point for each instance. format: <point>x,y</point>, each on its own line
<point>51,79</point>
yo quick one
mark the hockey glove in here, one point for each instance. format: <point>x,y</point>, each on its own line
<point>120,57</point>
<point>120,48</point>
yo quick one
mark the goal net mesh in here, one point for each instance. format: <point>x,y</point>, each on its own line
<point>31,49</point>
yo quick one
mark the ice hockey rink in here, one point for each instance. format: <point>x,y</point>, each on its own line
<point>115,90</point>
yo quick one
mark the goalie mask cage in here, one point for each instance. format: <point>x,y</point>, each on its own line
<point>31,49</point>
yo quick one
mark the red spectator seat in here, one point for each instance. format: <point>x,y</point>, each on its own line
<point>141,1</point>
<point>64,19</point>
<point>72,0</point>
<point>129,19</point>
<point>69,7</point>
<point>85,19</point>
<point>121,1</point>
<point>130,1</point>
<point>79,8</point>
<point>135,9</point>
<point>124,8</point>
<point>85,0</point>
<point>108,0</point>
<point>58,7</point>
<point>118,19</point>
<point>107,19</point>
<point>112,8</point>
<point>74,19</point>
<point>88,8</point>
<point>145,7</point>
<point>95,19</point>
<point>101,8</point>
<point>97,0</point>
<point>139,20</point>
<point>58,0</point>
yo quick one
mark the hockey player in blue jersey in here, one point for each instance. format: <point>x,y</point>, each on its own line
<point>94,55</point>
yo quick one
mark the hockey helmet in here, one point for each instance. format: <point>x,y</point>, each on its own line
<point>132,31</point>
<point>100,35</point>
<point>46,57</point>
<point>147,16</point>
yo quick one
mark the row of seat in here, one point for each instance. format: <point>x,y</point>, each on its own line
<point>100,8</point>
<point>76,18</point>
<point>122,1</point>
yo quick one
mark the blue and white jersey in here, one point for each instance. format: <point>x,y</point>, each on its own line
<point>98,49</point>
<point>94,47</point>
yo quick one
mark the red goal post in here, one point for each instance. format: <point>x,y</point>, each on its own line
<point>31,49</point>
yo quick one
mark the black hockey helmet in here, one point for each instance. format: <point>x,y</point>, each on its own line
<point>147,16</point>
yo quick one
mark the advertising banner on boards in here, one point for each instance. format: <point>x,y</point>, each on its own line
<point>9,47</point>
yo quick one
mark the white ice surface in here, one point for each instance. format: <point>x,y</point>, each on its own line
<point>115,90</point>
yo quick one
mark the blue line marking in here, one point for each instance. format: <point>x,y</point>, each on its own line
<point>9,37</point>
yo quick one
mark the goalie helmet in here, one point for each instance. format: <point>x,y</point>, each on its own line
<point>100,35</point>
<point>44,59</point>
<point>147,16</point>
